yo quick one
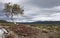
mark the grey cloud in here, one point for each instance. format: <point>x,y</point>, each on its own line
<point>45,3</point>
<point>37,10</point>
<point>1,6</point>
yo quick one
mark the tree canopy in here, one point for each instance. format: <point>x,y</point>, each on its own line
<point>12,9</point>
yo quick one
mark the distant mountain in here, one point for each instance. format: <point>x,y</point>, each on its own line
<point>3,21</point>
<point>37,22</point>
<point>40,22</point>
<point>46,22</point>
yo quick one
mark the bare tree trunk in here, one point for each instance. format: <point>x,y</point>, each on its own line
<point>11,12</point>
<point>12,19</point>
<point>12,15</point>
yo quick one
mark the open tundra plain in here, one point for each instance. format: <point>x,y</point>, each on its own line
<point>32,30</point>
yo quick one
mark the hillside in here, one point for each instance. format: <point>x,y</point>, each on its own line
<point>33,31</point>
<point>3,21</point>
<point>40,22</point>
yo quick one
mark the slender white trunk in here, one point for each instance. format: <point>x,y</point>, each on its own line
<point>12,19</point>
<point>11,13</point>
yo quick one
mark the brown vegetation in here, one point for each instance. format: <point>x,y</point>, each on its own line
<point>31,32</point>
<point>34,31</point>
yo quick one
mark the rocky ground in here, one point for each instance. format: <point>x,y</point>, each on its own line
<point>28,31</point>
<point>32,32</point>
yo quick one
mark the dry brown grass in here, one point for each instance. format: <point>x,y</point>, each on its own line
<point>31,32</point>
<point>9,37</point>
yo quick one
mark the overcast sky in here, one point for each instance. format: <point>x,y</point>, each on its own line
<point>34,10</point>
